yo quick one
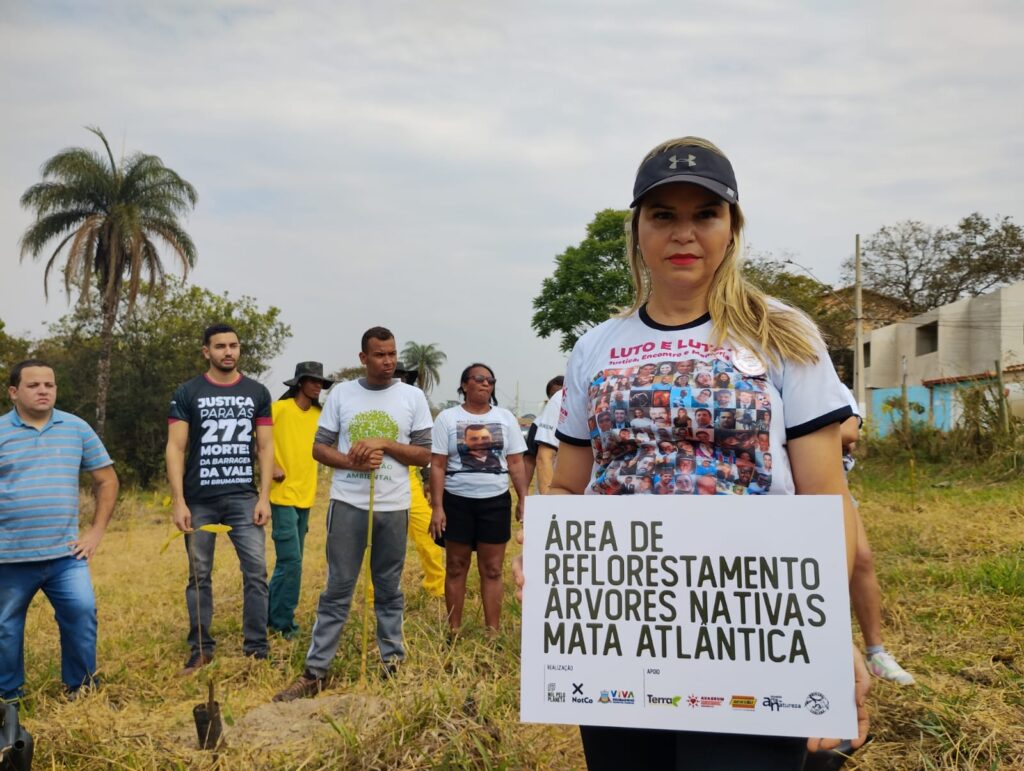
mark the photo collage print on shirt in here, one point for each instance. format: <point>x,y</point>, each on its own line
<point>680,427</point>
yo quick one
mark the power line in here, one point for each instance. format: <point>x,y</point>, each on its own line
<point>805,269</point>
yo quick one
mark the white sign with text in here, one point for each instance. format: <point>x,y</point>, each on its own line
<point>723,614</point>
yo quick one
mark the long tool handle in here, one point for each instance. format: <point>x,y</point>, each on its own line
<point>367,581</point>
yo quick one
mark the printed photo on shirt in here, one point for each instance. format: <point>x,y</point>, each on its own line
<point>479,446</point>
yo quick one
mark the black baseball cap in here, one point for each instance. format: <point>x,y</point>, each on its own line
<point>687,163</point>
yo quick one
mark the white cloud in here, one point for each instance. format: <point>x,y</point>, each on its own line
<point>410,156</point>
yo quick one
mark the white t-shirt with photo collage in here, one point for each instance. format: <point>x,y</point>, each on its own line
<point>668,413</point>
<point>477,447</point>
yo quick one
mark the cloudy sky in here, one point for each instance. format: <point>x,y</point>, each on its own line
<point>420,164</point>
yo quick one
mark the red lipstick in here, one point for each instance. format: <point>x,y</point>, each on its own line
<point>683,259</point>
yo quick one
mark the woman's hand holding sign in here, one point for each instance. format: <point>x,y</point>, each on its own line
<point>862,684</point>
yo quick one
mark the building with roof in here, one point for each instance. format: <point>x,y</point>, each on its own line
<point>944,350</point>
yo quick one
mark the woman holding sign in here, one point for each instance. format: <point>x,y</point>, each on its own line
<point>477,447</point>
<point>692,303</point>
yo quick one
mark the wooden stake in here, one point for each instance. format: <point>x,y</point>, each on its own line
<point>913,486</point>
<point>368,583</point>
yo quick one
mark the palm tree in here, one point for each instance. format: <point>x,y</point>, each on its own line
<point>426,358</point>
<point>108,216</point>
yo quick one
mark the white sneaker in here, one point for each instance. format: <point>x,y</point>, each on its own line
<point>883,665</point>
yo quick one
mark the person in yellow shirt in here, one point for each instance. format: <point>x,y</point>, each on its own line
<point>293,490</point>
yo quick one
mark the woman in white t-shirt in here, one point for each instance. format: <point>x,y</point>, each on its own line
<point>477,447</point>
<point>693,311</point>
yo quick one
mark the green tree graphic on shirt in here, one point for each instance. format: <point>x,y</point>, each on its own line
<point>372,424</point>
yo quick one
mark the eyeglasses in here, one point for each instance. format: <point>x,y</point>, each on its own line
<point>483,379</point>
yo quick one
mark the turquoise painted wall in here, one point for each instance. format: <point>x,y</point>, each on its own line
<point>943,400</point>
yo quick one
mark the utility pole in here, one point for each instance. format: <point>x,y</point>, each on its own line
<point>1004,413</point>
<point>905,403</point>
<point>858,331</point>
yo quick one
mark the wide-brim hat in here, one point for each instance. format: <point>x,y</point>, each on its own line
<point>310,369</point>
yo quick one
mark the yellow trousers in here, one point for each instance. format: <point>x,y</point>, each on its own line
<point>431,555</point>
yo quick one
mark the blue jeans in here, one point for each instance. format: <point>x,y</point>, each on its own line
<point>290,525</point>
<point>65,582</point>
<point>346,542</point>
<point>250,546</point>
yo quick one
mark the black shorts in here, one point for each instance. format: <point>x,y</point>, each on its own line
<point>477,520</point>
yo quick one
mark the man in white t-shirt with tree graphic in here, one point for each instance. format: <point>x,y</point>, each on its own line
<point>374,427</point>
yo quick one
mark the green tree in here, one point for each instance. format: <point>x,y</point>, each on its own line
<point>348,373</point>
<point>828,309</point>
<point>590,283</point>
<point>427,358</point>
<point>924,267</point>
<point>109,217</point>
<point>12,350</point>
<point>156,348</point>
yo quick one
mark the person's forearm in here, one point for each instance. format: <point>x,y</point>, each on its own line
<point>105,493</point>
<point>330,456</point>
<point>176,473</point>
<point>437,469</point>
<point>814,460</point>
<point>529,466</point>
<point>545,468</point>
<point>408,454</point>
<point>517,473</point>
<point>266,458</point>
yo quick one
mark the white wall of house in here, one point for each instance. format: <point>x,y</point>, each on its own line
<point>971,335</point>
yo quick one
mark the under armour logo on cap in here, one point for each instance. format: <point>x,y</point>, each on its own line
<point>691,164</point>
<point>689,160</point>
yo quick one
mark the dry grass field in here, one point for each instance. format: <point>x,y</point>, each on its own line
<point>950,559</point>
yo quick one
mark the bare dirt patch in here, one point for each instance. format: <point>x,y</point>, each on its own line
<point>276,725</point>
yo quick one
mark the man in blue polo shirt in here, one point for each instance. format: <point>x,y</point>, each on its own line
<point>42,451</point>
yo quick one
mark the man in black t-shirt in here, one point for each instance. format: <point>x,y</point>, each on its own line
<point>217,421</point>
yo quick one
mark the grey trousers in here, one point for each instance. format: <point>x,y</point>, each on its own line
<point>346,542</point>
<point>250,546</point>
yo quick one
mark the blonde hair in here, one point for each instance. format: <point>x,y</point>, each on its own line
<point>740,313</point>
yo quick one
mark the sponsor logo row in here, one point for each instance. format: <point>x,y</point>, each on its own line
<point>816,702</point>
